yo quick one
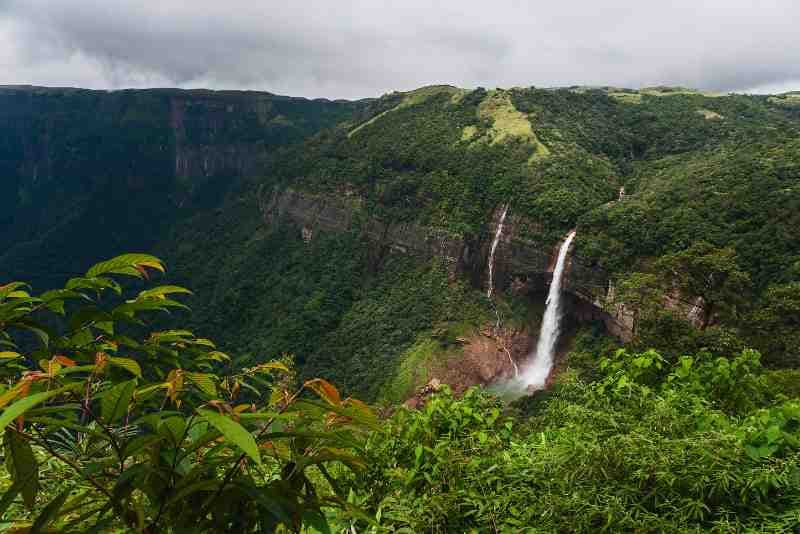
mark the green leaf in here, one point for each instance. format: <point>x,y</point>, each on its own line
<point>114,402</point>
<point>218,356</point>
<point>127,264</point>
<point>130,308</point>
<point>105,326</point>
<point>182,492</point>
<point>40,332</point>
<point>21,464</point>
<point>127,364</point>
<point>139,443</point>
<point>96,284</point>
<point>21,406</point>
<point>233,432</point>
<point>50,512</point>
<point>173,429</point>
<point>7,289</point>
<point>316,520</point>
<point>8,355</point>
<point>161,291</point>
<point>10,494</point>
<point>204,382</point>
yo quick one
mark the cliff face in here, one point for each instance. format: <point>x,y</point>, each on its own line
<point>521,265</point>
<point>110,171</point>
<point>318,213</point>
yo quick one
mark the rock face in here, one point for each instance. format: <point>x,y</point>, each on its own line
<point>486,357</point>
<point>317,213</point>
<point>520,264</point>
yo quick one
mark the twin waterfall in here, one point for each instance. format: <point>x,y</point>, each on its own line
<point>541,361</point>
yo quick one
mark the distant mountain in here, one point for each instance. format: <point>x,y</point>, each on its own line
<point>85,174</point>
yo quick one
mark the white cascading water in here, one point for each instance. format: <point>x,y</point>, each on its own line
<point>535,376</point>
<point>497,235</point>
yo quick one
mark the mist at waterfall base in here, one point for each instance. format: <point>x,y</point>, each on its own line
<point>540,362</point>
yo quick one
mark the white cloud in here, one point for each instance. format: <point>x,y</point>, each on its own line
<point>364,48</point>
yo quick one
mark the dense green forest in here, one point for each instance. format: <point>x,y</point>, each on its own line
<point>303,230</point>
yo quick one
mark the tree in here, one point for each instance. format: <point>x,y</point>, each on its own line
<point>643,294</point>
<point>152,430</point>
<point>776,324</point>
<point>703,270</point>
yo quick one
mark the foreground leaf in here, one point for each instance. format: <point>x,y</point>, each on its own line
<point>127,264</point>
<point>50,512</point>
<point>325,389</point>
<point>22,466</point>
<point>233,432</point>
<point>115,401</point>
<point>21,406</point>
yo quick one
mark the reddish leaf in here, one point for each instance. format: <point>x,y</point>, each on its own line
<point>325,390</point>
<point>63,360</point>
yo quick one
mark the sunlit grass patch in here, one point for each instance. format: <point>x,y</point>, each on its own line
<point>710,115</point>
<point>468,132</point>
<point>508,122</point>
<point>412,98</point>
<point>627,98</point>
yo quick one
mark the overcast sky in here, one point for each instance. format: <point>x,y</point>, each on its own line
<point>350,49</point>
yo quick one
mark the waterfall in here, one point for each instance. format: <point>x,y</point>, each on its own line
<point>497,235</point>
<point>535,376</point>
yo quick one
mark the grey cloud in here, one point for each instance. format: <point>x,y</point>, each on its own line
<point>354,49</point>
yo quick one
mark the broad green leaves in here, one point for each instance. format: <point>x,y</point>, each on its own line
<point>21,464</point>
<point>128,364</point>
<point>127,264</point>
<point>21,406</point>
<point>139,422</point>
<point>114,402</point>
<point>233,432</point>
<point>204,382</point>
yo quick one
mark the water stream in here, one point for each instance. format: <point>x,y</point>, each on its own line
<point>497,235</point>
<point>541,360</point>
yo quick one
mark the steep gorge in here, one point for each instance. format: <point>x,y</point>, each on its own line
<point>301,224</point>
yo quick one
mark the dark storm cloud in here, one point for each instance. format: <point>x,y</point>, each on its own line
<point>353,49</point>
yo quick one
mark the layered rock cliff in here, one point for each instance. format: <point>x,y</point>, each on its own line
<point>521,264</point>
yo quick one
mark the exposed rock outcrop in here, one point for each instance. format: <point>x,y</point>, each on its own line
<point>321,213</point>
<point>485,357</point>
<point>521,264</point>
